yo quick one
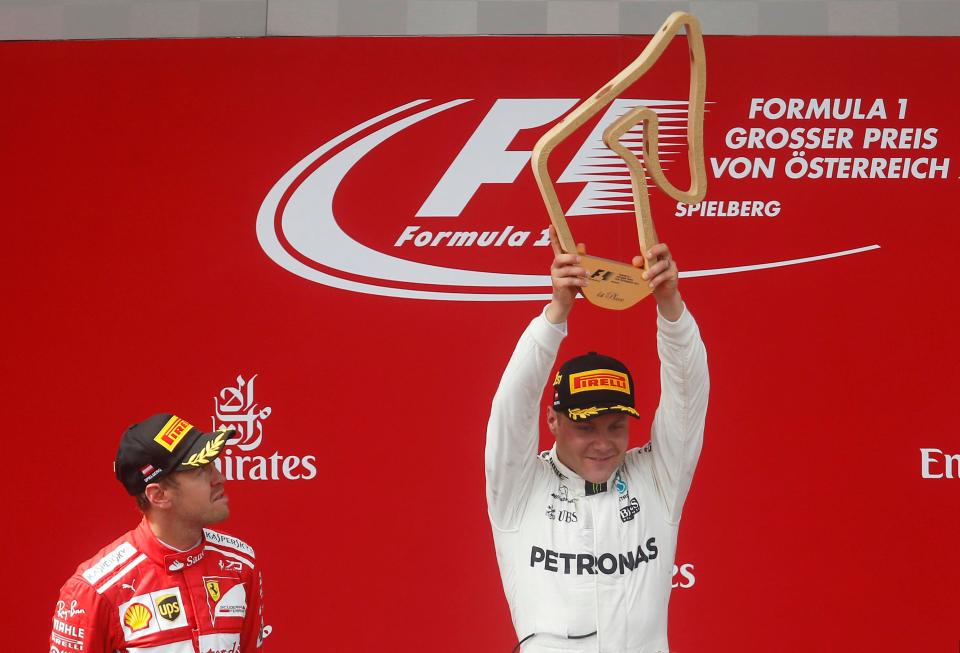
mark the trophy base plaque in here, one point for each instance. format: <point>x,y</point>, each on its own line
<point>612,284</point>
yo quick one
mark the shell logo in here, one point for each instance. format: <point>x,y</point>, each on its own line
<point>137,617</point>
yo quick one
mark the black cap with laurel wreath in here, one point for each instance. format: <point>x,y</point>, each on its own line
<point>163,444</point>
<point>591,385</point>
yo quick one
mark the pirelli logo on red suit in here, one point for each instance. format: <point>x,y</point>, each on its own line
<point>599,380</point>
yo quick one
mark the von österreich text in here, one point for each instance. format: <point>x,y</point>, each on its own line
<point>830,138</point>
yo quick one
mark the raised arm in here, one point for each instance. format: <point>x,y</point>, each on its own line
<point>678,425</point>
<point>663,278</point>
<point>513,430</point>
<point>566,277</point>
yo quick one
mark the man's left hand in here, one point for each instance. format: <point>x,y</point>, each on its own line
<point>663,277</point>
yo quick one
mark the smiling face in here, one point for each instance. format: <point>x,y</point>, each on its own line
<point>592,448</point>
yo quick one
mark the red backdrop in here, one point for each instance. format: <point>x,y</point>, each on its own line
<point>135,281</point>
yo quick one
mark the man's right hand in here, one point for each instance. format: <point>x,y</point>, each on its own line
<point>567,277</point>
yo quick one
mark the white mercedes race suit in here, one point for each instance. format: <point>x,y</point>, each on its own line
<point>577,557</point>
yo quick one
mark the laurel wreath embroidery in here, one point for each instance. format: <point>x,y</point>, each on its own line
<point>626,409</point>
<point>209,451</point>
<point>583,413</point>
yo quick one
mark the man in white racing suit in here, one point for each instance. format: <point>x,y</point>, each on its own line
<point>586,532</point>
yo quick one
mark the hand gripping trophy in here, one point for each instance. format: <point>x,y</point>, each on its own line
<point>613,284</point>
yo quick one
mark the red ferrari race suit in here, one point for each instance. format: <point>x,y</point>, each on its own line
<point>138,595</point>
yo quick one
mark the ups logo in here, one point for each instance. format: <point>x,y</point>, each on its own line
<point>169,607</point>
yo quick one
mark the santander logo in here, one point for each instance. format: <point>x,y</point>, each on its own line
<point>353,215</point>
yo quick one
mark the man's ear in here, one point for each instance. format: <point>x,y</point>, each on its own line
<point>158,495</point>
<point>553,419</point>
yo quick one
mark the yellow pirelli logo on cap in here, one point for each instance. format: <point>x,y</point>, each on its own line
<point>172,432</point>
<point>599,380</point>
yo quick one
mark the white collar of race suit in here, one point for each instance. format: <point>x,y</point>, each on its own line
<point>163,554</point>
<point>575,483</point>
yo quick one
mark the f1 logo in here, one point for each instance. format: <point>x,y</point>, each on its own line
<point>601,275</point>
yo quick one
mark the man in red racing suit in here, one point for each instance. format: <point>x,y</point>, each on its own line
<point>169,585</point>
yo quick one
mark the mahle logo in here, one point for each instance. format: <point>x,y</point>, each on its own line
<point>235,407</point>
<point>373,211</point>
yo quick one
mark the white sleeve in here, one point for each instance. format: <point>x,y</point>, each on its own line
<point>513,430</point>
<point>678,424</point>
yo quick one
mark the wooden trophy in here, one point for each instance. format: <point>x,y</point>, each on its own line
<point>613,284</point>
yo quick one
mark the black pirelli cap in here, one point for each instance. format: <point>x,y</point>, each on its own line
<point>592,385</point>
<point>160,445</point>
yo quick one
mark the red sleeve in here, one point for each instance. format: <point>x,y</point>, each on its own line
<point>81,620</point>
<point>254,628</point>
